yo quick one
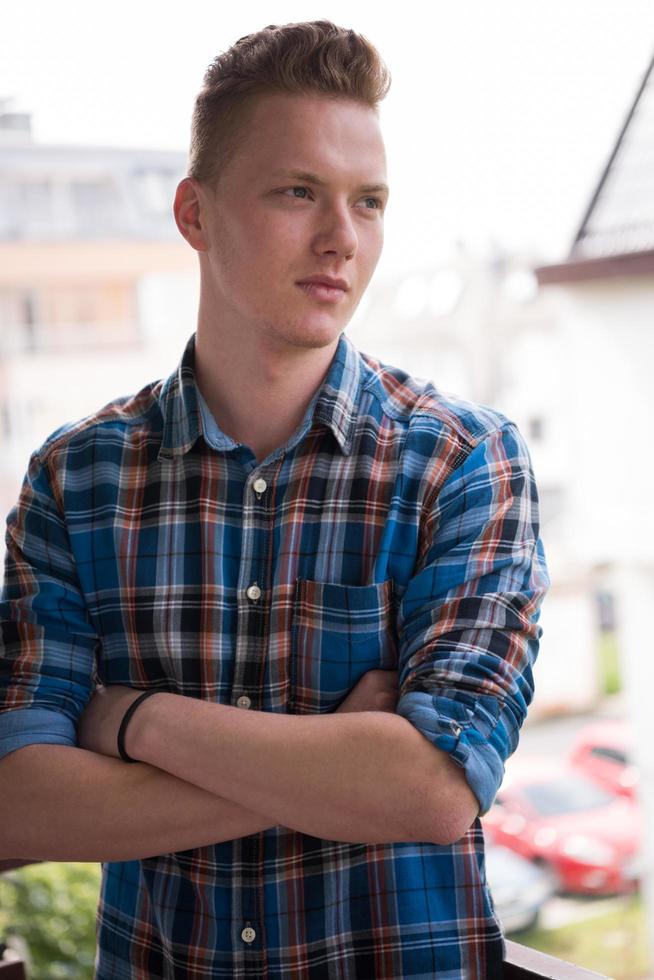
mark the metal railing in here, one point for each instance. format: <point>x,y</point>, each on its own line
<point>522,963</point>
<point>12,970</point>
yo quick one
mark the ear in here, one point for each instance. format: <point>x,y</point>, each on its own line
<point>190,202</point>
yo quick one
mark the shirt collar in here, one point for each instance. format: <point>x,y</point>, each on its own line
<point>179,405</point>
<point>338,400</point>
<point>335,406</point>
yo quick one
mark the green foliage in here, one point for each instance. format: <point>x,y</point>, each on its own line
<point>51,907</point>
<point>609,662</point>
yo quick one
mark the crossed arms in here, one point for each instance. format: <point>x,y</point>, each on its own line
<point>211,772</point>
<point>357,775</point>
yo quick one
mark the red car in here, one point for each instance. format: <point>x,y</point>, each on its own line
<point>603,750</point>
<point>554,815</point>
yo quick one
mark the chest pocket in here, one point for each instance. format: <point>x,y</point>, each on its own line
<point>339,633</point>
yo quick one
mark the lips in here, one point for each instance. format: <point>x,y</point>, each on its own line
<point>325,281</point>
<point>321,292</point>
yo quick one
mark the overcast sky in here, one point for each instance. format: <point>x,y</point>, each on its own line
<point>498,124</point>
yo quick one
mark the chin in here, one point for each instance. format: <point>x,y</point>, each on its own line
<point>319,340</point>
<point>311,335</point>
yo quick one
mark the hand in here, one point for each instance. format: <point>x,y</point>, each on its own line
<point>98,727</point>
<point>377,690</point>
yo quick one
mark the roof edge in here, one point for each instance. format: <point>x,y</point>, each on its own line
<point>603,267</point>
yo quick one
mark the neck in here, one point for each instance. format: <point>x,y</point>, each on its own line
<point>257,392</point>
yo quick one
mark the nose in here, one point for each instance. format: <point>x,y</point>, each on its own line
<point>336,234</point>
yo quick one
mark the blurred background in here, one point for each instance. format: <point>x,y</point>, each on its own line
<point>518,271</point>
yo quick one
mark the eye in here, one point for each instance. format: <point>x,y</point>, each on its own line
<point>379,204</point>
<point>297,188</point>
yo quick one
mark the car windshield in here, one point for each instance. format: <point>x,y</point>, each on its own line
<point>565,794</point>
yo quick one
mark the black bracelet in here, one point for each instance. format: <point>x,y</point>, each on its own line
<point>125,722</point>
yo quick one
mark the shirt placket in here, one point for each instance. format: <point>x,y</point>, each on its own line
<point>253,604</point>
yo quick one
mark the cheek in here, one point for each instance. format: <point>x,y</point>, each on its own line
<point>273,247</point>
<point>288,237</point>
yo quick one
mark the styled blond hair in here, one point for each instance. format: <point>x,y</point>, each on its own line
<point>309,58</point>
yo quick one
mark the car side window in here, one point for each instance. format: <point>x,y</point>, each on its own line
<point>614,755</point>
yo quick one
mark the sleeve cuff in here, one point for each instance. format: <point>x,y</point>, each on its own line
<point>30,726</point>
<point>471,736</point>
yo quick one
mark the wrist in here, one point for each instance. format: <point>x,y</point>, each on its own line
<point>140,724</point>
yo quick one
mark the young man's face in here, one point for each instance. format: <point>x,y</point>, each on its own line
<point>266,231</point>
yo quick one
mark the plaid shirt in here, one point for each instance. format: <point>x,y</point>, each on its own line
<point>397,528</point>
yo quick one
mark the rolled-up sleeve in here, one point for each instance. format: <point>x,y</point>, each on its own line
<point>47,642</point>
<point>468,619</point>
<point>29,726</point>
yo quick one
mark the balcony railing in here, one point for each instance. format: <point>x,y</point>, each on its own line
<point>12,971</point>
<point>521,963</point>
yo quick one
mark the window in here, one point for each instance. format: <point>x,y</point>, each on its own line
<point>604,752</point>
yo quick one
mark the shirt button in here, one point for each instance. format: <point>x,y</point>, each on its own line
<point>456,729</point>
<point>254,592</point>
<point>243,701</point>
<point>248,935</point>
<point>260,485</point>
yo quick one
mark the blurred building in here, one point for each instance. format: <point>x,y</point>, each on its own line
<point>604,291</point>
<point>90,262</point>
<point>585,370</point>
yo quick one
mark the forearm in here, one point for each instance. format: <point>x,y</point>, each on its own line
<point>67,804</point>
<point>360,777</point>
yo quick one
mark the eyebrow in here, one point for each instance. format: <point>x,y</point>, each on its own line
<point>314,179</point>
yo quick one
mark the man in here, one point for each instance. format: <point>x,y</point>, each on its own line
<point>325,575</point>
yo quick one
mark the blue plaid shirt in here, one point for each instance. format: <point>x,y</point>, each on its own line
<point>397,528</point>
